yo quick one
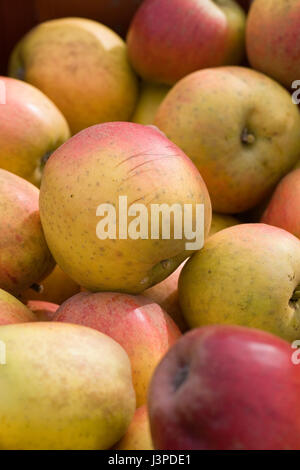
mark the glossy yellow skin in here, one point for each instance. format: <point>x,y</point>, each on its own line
<point>63,387</point>
<point>245,275</point>
<point>82,66</point>
<point>31,129</point>
<point>138,435</point>
<point>13,311</point>
<point>151,96</point>
<point>239,127</point>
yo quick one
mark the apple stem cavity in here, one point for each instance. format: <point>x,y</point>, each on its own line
<point>37,288</point>
<point>247,138</point>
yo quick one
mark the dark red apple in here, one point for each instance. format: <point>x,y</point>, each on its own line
<point>226,388</point>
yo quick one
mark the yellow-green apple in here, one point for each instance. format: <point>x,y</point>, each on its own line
<point>82,66</point>
<point>221,221</point>
<point>169,39</point>
<point>138,435</point>
<point>140,326</point>
<point>56,288</point>
<point>165,294</point>
<point>31,129</point>
<point>273,37</point>
<point>63,387</point>
<point>150,98</point>
<point>247,275</point>
<point>98,194</point>
<point>24,254</point>
<point>13,311</point>
<point>44,311</point>
<point>239,127</point>
<point>284,208</point>
<point>226,388</point>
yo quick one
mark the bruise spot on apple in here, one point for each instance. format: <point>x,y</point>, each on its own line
<point>181,376</point>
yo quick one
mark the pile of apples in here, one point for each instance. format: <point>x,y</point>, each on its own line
<point>139,343</point>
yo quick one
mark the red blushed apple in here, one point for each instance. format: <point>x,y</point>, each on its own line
<point>226,388</point>
<point>273,39</point>
<point>283,209</point>
<point>44,311</point>
<point>169,39</point>
<point>144,330</point>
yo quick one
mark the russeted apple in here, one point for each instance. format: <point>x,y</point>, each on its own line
<point>247,275</point>
<point>13,311</point>
<point>63,387</point>
<point>31,128</point>
<point>82,66</point>
<point>283,209</point>
<point>140,326</point>
<point>98,194</point>
<point>138,435</point>
<point>151,96</point>
<point>24,255</point>
<point>273,39</point>
<point>168,39</point>
<point>226,388</point>
<point>240,128</point>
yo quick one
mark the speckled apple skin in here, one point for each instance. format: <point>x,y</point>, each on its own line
<point>24,255</point>
<point>97,166</point>
<point>64,387</point>
<point>82,66</point>
<point>273,39</point>
<point>140,326</point>
<point>169,39</point>
<point>226,388</point>
<point>206,113</point>
<point>245,275</point>
<point>13,311</point>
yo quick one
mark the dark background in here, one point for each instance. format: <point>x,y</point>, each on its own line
<point>17,17</point>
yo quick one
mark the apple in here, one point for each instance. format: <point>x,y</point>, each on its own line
<point>13,311</point>
<point>56,288</point>
<point>150,98</point>
<point>44,311</point>
<point>138,435</point>
<point>142,328</point>
<point>24,255</point>
<point>165,294</point>
<point>226,388</point>
<point>63,387</point>
<point>283,209</point>
<point>168,39</point>
<point>97,167</point>
<point>82,66</point>
<point>239,127</point>
<point>31,129</point>
<point>247,275</point>
<point>273,37</point>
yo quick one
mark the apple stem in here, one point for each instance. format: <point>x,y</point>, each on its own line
<point>296,295</point>
<point>37,288</point>
<point>247,137</point>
